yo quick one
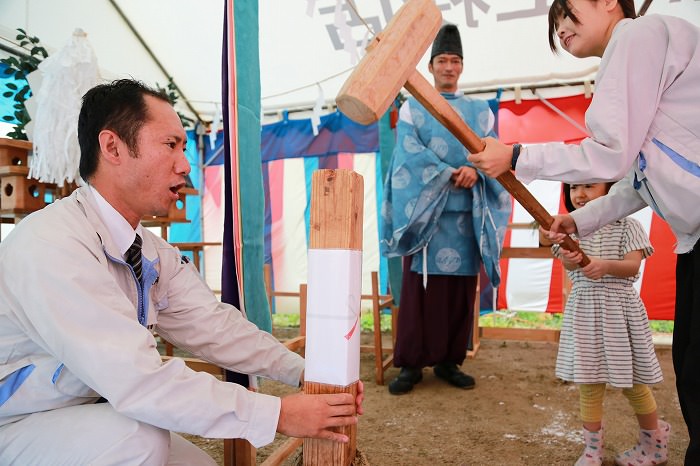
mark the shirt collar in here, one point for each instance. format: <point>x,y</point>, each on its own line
<point>120,230</point>
<point>452,95</point>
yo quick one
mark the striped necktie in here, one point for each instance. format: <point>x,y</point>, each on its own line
<point>133,256</point>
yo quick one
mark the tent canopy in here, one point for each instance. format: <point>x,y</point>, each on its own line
<point>302,51</point>
<point>182,39</point>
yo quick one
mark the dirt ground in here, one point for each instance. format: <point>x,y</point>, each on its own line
<point>518,414</point>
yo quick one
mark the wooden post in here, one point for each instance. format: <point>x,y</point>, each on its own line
<point>333,314</point>
<point>239,452</point>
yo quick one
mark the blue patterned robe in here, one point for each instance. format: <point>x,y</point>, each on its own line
<point>422,207</point>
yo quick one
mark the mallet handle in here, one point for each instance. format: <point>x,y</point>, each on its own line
<point>431,99</point>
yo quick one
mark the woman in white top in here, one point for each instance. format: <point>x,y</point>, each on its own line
<point>644,125</point>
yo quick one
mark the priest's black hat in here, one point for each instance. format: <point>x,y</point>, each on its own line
<point>447,40</point>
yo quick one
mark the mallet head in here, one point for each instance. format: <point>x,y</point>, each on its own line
<point>391,58</point>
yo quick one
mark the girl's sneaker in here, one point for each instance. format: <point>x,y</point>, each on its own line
<point>593,453</point>
<point>651,450</point>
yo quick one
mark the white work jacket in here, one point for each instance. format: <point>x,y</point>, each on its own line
<point>69,332</point>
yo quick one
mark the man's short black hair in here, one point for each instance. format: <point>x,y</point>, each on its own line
<point>118,106</point>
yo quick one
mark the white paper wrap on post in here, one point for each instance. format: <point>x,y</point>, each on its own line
<point>333,316</point>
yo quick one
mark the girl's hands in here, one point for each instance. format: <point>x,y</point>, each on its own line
<point>596,269</point>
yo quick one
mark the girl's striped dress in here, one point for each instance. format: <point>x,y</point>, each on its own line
<point>605,335</point>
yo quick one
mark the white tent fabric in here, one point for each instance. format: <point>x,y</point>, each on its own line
<point>505,42</point>
<point>185,36</point>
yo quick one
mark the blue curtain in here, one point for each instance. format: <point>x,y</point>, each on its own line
<point>336,133</point>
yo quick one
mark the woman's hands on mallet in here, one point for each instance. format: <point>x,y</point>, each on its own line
<point>495,159</point>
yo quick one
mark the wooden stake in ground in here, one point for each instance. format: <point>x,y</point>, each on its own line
<point>333,309</point>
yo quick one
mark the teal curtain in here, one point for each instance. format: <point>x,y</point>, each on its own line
<point>387,141</point>
<point>251,188</point>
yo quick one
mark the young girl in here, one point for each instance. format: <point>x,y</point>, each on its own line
<point>605,335</point>
<point>644,125</point>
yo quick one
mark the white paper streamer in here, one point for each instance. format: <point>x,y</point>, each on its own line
<point>214,129</point>
<point>316,112</point>
<point>67,75</point>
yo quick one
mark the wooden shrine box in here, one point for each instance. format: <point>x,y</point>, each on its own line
<point>178,209</point>
<point>19,194</point>
<point>176,214</point>
<point>14,152</point>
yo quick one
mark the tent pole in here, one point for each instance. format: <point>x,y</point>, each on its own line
<point>13,51</point>
<point>154,58</point>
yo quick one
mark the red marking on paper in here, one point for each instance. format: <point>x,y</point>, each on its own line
<point>352,330</point>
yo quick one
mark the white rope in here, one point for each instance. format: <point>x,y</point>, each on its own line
<point>425,267</point>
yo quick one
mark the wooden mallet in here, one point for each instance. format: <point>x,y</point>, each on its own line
<point>390,64</point>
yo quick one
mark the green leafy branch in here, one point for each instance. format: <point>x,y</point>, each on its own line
<point>173,97</point>
<point>19,67</point>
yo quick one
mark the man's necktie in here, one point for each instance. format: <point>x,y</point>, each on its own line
<point>133,256</point>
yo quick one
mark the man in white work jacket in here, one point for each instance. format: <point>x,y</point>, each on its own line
<point>77,321</point>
